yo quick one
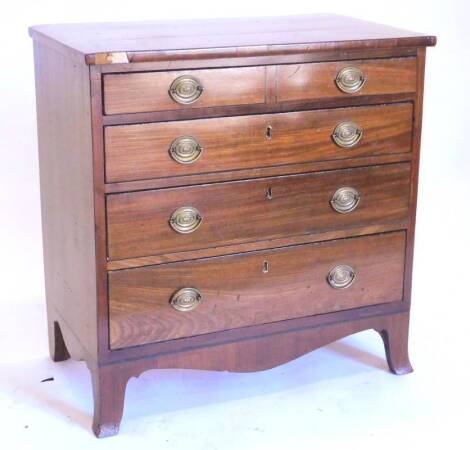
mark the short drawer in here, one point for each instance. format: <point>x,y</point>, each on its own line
<point>196,217</point>
<point>163,91</point>
<point>176,300</point>
<point>346,78</point>
<point>143,151</point>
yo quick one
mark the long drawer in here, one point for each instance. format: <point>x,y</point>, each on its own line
<point>175,300</point>
<point>195,217</point>
<point>154,150</point>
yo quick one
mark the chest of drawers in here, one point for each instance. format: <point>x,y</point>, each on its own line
<point>225,194</point>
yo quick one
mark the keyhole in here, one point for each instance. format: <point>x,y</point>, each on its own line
<point>269,193</point>
<point>265,267</point>
<point>269,132</point>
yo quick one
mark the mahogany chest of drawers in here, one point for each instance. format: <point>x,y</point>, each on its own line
<point>225,194</point>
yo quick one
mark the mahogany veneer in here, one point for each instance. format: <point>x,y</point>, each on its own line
<point>253,210</point>
<point>138,92</point>
<point>138,152</point>
<point>225,194</point>
<point>316,80</point>
<point>231,285</point>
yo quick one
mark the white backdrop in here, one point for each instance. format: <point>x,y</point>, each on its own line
<point>429,404</point>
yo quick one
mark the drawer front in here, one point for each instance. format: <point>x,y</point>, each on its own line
<point>345,78</point>
<point>260,287</point>
<point>163,91</point>
<point>135,152</point>
<point>153,222</point>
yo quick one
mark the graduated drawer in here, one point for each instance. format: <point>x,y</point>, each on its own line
<point>153,150</point>
<point>163,91</point>
<point>203,216</point>
<point>345,78</point>
<point>176,300</point>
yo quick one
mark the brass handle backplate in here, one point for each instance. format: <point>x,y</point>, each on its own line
<point>345,199</point>
<point>185,90</point>
<point>350,80</point>
<point>341,276</point>
<point>347,134</point>
<point>186,299</point>
<point>185,150</point>
<point>185,220</point>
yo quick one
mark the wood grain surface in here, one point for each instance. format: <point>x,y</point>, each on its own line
<point>317,80</point>
<point>66,177</point>
<point>237,291</point>
<point>138,152</point>
<point>96,43</point>
<point>116,118</point>
<point>237,212</point>
<point>148,91</point>
<point>253,246</point>
<point>247,355</point>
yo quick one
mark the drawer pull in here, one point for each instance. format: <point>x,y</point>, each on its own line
<point>185,150</point>
<point>341,276</point>
<point>345,200</point>
<point>185,220</point>
<point>347,134</point>
<point>186,299</point>
<point>350,80</point>
<point>185,90</point>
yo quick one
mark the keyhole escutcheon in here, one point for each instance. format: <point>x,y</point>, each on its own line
<point>265,267</point>
<point>269,193</point>
<point>269,132</point>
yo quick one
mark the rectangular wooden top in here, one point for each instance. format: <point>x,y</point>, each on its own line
<point>104,43</point>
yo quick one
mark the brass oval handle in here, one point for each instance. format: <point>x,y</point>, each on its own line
<point>186,299</point>
<point>185,90</point>
<point>341,276</point>
<point>347,134</point>
<point>350,80</point>
<point>345,199</point>
<point>185,220</point>
<point>185,150</point>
